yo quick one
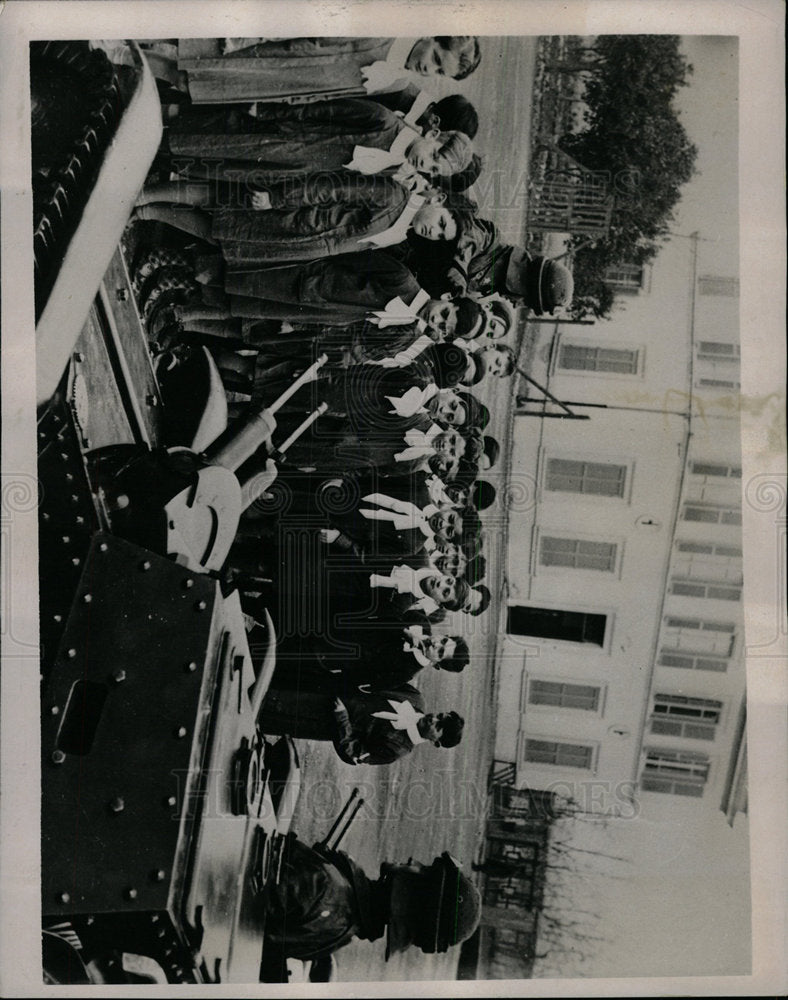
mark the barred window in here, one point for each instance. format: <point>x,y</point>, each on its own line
<point>675,773</point>
<point>691,718</point>
<point>718,383</point>
<point>697,644</point>
<point>575,553</point>
<point>561,695</point>
<point>714,284</point>
<point>711,513</point>
<point>596,478</point>
<point>702,548</point>
<point>717,350</point>
<point>626,277</point>
<point>579,357</point>
<point>508,893</point>
<point>711,589</point>
<point>715,469</point>
<point>708,562</point>
<point>698,623</point>
<point>557,754</point>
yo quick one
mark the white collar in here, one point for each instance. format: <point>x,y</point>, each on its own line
<point>402,141</point>
<point>399,313</point>
<point>403,716</point>
<point>420,658</point>
<point>419,106</point>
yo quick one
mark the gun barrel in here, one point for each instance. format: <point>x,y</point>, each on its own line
<point>232,451</point>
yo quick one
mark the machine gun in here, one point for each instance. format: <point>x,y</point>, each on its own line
<point>187,504</point>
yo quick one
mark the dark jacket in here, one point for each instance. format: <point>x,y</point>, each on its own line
<point>278,70</point>
<point>312,216</point>
<point>231,145</point>
<point>364,739</point>
<point>337,289</point>
<point>358,736</point>
<point>321,901</point>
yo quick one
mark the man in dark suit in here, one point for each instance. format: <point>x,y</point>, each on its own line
<point>391,656</point>
<point>375,728</point>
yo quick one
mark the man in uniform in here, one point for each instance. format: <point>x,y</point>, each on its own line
<point>323,900</point>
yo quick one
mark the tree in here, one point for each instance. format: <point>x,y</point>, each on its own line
<point>633,134</point>
<point>571,927</point>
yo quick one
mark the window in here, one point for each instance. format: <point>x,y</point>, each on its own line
<point>682,773</point>
<point>689,660</point>
<point>708,562</point>
<point>691,718</point>
<point>718,469</point>
<point>711,513</point>
<point>713,284</point>
<point>716,350</point>
<point>626,277</point>
<point>596,478</point>
<point>727,551</point>
<point>711,589</point>
<point>560,695</point>
<point>515,854</point>
<point>577,755</point>
<point>513,942</point>
<point>718,383</point>
<point>548,623</point>
<point>576,554</point>
<point>577,357</point>
<point>508,893</point>
<point>699,636</point>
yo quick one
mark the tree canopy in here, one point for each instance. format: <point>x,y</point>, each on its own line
<point>632,132</point>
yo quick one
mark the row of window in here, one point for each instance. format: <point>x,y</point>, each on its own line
<point>585,357</point>
<point>696,560</point>
<point>700,569</point>
<point>635,277</point>
<point>675,772</point>
<point>671,714</point>
<point>708,487</point>
<point>684,638</point>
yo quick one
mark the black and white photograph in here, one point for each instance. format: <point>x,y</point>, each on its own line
<point>388,503</point>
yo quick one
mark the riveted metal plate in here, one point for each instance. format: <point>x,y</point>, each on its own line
<point>133,683</point>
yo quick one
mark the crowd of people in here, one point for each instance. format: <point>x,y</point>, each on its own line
<point>310,198</point>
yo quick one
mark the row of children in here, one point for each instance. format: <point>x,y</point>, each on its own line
<point>339,226</point>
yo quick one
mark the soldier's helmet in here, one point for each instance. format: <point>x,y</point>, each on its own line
<point>543,284</point>
<point>443,907</point>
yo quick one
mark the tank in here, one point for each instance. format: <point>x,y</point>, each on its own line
<point>163,807</point>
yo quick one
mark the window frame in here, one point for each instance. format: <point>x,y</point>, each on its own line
<point>571,496</point>
<point>697,703</point>
<point>730,511</point>
<point>608,613</point>
<point>523,763</point>
<point>692,758</point>
<point>677,627</point>
<point>527,707</point>
<point>707,586</point>
<point>566,341</point>
<point>543,533</point>
<point>726,286</point>
<point>714,357</point>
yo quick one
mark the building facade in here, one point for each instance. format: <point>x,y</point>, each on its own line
<point>620,672</point>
